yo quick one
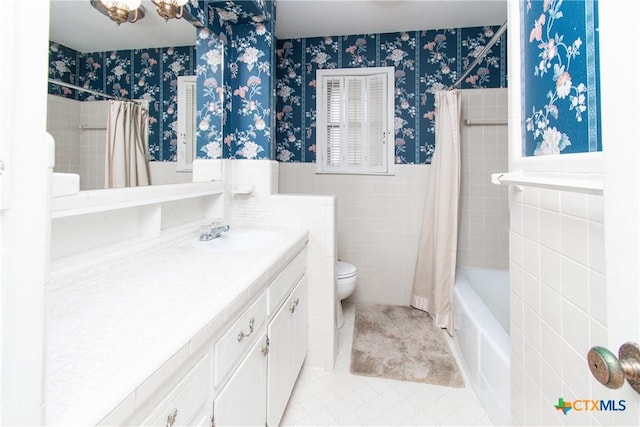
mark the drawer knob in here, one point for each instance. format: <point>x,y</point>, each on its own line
<point>242,335</point>
<point>294,304</point>
<point>171,419</point>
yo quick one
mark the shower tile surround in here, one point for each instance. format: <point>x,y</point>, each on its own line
<point>558,296</point>
<point>63,117</point>
<point>79,151</point>
<point>558,302</point>
<point>83,152</point>
<point>483,236</point>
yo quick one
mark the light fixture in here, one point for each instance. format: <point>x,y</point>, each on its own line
<point>170,9</point>
<point>120,11</point>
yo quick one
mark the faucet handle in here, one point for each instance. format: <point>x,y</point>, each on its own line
<point>205,229</point>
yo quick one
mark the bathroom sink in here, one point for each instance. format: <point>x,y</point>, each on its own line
<point>241,240</point>
<point>65,184</point>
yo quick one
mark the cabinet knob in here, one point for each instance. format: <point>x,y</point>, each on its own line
<point>611,371</point>
<point>171,418</point>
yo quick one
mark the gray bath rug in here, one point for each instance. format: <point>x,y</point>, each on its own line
<point>401,343</point>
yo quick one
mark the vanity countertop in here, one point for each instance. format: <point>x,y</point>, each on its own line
<point>115,320</point>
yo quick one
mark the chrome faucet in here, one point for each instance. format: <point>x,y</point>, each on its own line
<point>210,232</point>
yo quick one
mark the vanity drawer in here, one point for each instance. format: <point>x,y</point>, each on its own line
<point>188,403</point>
<point>285,281</point>
<point>238,338</point>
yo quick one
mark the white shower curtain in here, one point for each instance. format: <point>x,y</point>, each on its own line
<point>127,141</point>
<point>436,262</point>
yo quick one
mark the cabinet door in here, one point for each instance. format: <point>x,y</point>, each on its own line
<point>299,320</point>
<point>242,401</point>
<point>287,350</point>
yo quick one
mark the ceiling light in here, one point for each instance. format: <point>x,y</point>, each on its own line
<point>120,11</point>
<point>170,9</point>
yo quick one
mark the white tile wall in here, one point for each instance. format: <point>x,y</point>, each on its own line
<point>83,151</point>
<point>92,144</point>
<point>79,151</point>
<point>483,238</point>
<point>317,214</point>
<point>558,303</point>
<point>165,173</point>
<point>63,117</point>
<point>378,224</point>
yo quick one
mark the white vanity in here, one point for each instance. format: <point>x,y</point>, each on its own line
<point>168,332</point>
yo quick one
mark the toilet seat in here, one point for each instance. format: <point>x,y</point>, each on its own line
<point>344,270</point>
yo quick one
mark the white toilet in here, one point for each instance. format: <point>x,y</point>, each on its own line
<point>347,275</point>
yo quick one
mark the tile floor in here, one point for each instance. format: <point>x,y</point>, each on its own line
<point>338,398</point>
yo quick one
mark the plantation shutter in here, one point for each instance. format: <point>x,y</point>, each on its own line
<point>355,121</point>
<point>353,116</point>
<point>186,149</point>
<point>333,96</point>
<point>376,134</point>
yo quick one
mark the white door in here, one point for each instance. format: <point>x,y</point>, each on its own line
<point>620,107</point>
<point>243,400</point>
<point>24,225</point>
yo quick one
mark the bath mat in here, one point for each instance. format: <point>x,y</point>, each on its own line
<point>401,343</point>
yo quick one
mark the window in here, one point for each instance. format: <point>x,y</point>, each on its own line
<point>186,149</point>
<point>355,121</point>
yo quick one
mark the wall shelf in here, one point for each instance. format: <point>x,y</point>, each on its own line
<point>94,221</point>
<point>87,202</point>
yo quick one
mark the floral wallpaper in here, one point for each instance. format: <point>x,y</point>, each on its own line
<point>235,97</point>
<point>424,61</point>
<point>142,73</point>
<point>560,77</point>
<point>233,12</point>
<point>210,50</point>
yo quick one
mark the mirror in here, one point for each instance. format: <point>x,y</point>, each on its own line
<point>140,60</point>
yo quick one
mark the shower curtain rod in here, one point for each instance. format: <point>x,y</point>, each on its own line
<point>92,92</point>
<point>481,55</point>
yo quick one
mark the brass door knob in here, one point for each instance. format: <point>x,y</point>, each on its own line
<point>611,371</point>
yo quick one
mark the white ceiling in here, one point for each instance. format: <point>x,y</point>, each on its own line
<point>76,24</point>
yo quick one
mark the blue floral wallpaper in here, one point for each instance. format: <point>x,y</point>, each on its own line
<point>142,73</point>
<point>424,61</point>
<point>560,77</point>
<point>239,70</point>
<point>235,94</point>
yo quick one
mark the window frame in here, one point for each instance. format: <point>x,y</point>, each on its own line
<point>388,153</point>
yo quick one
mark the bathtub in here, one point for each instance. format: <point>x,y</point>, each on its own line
<point>481,308</point>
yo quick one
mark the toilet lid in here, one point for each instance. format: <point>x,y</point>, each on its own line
<point>344,270</point>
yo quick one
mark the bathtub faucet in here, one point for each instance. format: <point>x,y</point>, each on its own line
<point>210,231</point>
